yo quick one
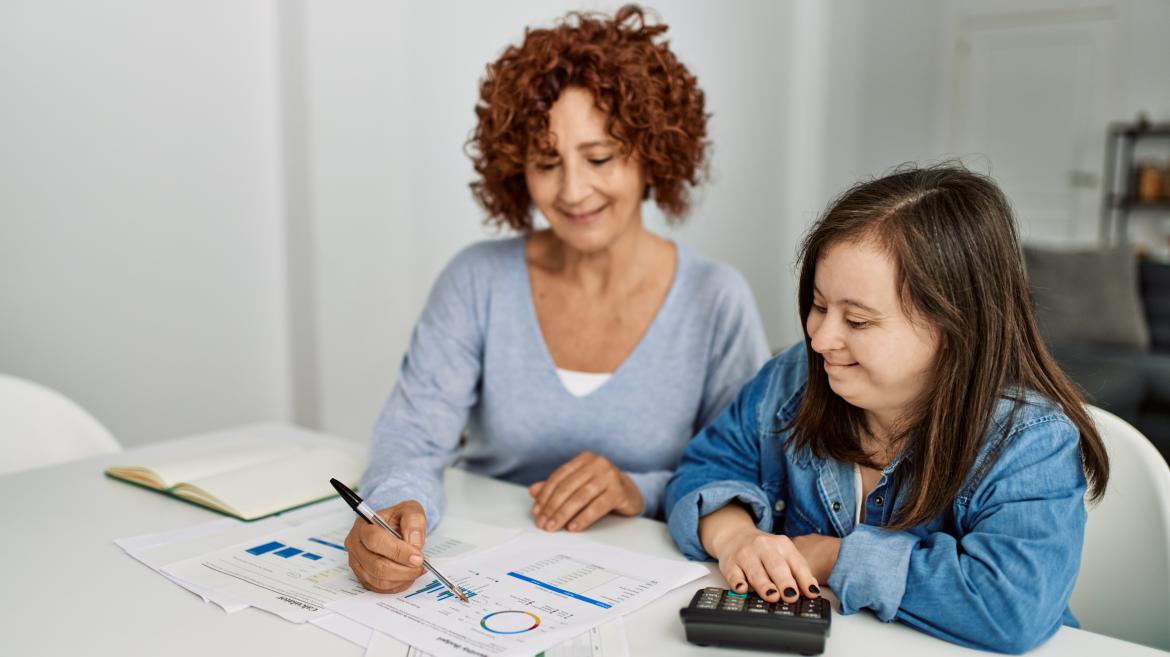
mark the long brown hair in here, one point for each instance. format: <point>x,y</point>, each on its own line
<point>952,237</point>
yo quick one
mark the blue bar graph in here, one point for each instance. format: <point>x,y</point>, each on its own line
<point>427,589</point>
<point>441,591</point>
<point>266,548</point>
<point>545,585</point>
<point>282,550</point>
<point>324,542</point>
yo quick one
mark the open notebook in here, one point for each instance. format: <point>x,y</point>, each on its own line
<point>247,481</point>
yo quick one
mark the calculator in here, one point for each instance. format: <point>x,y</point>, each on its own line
<point>720,617</point>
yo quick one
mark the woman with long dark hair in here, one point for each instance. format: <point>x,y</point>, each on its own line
<point>920,452</point>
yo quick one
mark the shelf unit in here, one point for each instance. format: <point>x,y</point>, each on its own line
<point>1119,197</point>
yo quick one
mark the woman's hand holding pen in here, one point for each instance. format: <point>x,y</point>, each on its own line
<point>581,492</point>
<point>381,562</point>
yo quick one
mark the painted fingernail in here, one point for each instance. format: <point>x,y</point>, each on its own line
<point>416,559</point>
<point>770,592</point>
<point>789,592</point>
<point>814,588</point>
<point>739,587</point>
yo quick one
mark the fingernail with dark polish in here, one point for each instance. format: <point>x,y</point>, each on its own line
<point>770,592</point>
<point>789,592</point>
<point>814,588</point>
<point>739,587</point>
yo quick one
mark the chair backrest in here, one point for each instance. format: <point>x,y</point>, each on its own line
<point>40,427</point>
<point>1123,589</point>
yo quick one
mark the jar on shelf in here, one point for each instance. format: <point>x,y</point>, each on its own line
<point>1149,182</point>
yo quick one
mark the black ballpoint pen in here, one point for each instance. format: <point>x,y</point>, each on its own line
<point>362,509</point>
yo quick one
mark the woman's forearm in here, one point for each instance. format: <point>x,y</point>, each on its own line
<point>715,527</point>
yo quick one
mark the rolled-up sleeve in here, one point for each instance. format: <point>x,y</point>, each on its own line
<point>1003,583</point>
<point>686,513</point>
<point>871,570</point>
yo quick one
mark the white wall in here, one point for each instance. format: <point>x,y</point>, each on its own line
<point>141,243</point>
<point>892,87</point>
<point>214,212</point>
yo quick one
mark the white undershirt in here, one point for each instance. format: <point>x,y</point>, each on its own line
<point>580,384</point>
<point>857,494</point>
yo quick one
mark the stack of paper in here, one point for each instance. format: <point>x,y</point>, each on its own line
<point>529,592</point>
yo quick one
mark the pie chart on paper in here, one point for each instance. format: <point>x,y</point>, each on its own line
<point>510,622</point>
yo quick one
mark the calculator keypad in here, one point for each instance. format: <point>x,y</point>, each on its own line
<point>750,603</point>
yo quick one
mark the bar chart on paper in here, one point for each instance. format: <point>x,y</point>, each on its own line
<point>293,572</point>
<point>440,592</point>
<point>287,552</point>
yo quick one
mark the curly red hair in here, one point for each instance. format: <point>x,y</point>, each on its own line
<point>654,104</point>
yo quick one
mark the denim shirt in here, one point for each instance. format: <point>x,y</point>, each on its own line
<point>994,570</point>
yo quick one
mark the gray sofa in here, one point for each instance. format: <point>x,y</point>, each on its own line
<point>1106,318</point>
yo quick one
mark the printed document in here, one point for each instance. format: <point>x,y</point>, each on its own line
<point>296,571</point>
<point>526,596</point>
<point>606,640</point>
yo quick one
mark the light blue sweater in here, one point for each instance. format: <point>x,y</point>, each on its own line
<point>477,359</point>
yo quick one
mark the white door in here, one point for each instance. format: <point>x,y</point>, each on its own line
<point>1032,95</point>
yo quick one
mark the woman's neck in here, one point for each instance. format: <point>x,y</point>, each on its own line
<point>878,441</point>
<point>615,269</point>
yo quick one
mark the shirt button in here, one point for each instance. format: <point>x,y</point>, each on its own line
<point>836,507</point>
<point>878,500</point>
<point>779,506</point>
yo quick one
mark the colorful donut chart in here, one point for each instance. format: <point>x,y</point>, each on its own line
<point>510,622</point>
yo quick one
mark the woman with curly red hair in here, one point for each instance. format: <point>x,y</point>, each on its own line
<point>583,356</point>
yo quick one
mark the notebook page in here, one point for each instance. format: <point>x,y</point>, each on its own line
<point>219,459</point>
<point>284,483</point>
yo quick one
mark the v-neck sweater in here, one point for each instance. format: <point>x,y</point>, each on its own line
<point>478,388</point>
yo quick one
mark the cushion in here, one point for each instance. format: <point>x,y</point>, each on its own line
<point>1111,377</point>
<point>1157,370</point>
<point>1155,286</point>
<point>1087,297</point>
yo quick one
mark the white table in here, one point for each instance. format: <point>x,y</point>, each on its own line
<point>67,589</point>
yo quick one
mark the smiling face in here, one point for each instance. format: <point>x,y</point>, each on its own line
<point>590,193</point>
<point>877,358</point>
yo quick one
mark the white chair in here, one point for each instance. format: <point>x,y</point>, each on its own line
<point>1123,589</point>
<point>40,427</point>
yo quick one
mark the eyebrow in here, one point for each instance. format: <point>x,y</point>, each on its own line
<point>592,144</point>
<point>851,302</point>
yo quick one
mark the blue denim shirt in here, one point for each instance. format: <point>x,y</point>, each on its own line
<point>992,571</point>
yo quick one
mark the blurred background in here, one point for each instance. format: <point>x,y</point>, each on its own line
<point>223,211</point>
